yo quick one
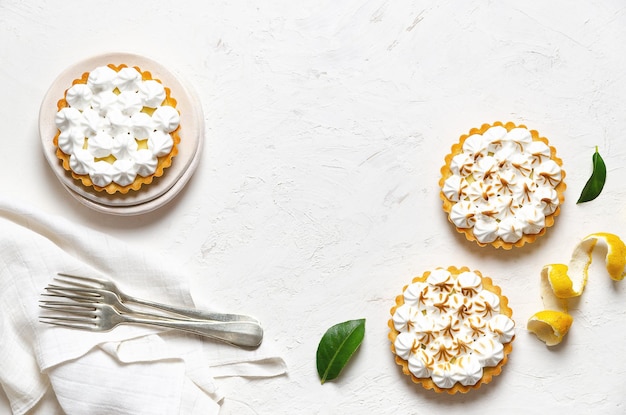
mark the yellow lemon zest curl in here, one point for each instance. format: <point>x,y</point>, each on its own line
<point>560,282</point>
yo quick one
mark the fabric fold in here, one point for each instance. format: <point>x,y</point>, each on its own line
<point>128,370</point>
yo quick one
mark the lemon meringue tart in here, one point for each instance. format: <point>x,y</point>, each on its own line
<point>502,185</point>
<point>117,128</point>
<point>451,330</point>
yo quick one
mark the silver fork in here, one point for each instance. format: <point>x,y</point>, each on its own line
<point>96,295</point>
<point>99,287</point>
<point>104,317</point>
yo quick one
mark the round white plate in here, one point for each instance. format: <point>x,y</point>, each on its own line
<point>163,189</point>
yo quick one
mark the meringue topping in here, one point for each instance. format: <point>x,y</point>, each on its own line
<point>106,120</point>
<point>454,332</point>
<point>502,185</point>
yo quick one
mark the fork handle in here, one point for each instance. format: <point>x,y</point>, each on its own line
<point>191,313</point>
<point>238,333</point>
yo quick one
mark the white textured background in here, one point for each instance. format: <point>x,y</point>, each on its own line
<point>316,198</point>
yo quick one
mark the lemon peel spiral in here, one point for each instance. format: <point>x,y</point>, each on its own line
<point>560,282</point>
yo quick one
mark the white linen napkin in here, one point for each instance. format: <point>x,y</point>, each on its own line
<point>129,370</point>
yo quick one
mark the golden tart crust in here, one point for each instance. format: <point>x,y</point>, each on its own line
<point>163,162</point>
<point>489,372</point>
<point>446,172</point>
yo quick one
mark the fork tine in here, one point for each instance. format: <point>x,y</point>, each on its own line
<point>87,306</point>
<point>75,283</point>
<point>82,314</point>
<point>80,281</point>
<point>67,319</point>
<point>77,298</point>
<point>71,283</point>
<point>76,290</point>
<point>78,309</point>
<point>72,325</point>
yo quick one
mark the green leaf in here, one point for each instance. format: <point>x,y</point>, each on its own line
<point>596,182</point>
<point>337,347</point>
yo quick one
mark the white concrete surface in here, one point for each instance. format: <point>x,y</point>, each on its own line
<point>316,197</point>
